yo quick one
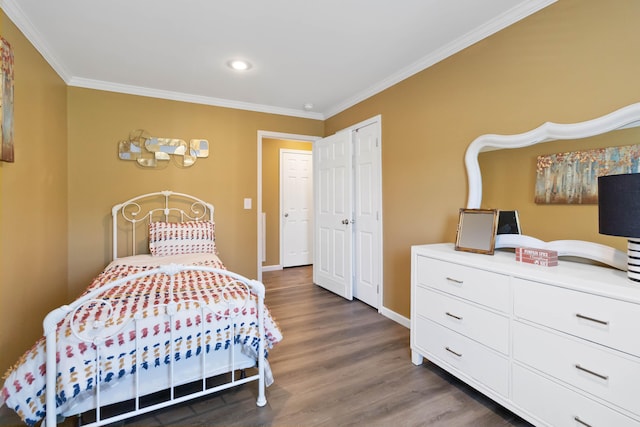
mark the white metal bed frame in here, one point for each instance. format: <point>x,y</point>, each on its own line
<point>132,213</point>
<point>198,210</point>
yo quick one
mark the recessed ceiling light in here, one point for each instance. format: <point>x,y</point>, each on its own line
<point>308,106</point>
<point>239,65</point>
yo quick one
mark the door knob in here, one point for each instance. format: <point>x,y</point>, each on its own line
<point>286,215</point>
<point>345,221</point>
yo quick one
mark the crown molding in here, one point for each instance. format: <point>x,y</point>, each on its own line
<point>18,17</point>
<point>185,97</point>
<point>15,13</point>
<point>499,23</point>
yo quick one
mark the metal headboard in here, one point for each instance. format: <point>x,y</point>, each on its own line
<point>165,205</point>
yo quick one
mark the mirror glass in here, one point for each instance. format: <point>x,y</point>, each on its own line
<point>199,147</point>
<point>509,180</point>
<point>571,230</point>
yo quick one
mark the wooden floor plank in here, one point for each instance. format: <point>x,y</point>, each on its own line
<point>341,363</point>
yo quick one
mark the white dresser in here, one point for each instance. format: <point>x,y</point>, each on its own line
<point>559,346</point>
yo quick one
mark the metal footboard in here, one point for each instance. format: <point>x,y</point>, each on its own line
<point>92,332</point>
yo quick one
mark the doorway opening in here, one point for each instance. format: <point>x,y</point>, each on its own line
<point>355,255</point>
<point>267,220</point>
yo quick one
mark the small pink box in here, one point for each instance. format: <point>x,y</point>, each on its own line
<point>545,262</point>
<point>536,253</point>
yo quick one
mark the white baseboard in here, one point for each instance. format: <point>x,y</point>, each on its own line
<point>395,317</point>
<point>271,267</point>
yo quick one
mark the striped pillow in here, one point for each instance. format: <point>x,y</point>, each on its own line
<point>175,238</point>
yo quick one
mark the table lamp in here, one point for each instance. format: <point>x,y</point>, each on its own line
<point>619,215</point>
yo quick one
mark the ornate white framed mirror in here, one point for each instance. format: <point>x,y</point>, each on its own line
<point>625,117</point>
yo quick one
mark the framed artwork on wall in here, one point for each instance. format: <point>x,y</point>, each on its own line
<point>6,100</point>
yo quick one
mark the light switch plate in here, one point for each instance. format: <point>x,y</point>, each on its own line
<point>247,203</point>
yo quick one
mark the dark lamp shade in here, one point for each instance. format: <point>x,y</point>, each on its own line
<point>619,205</point>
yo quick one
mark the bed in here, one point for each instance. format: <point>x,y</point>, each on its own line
<point>152,329</point>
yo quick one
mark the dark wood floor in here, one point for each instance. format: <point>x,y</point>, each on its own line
<point>340,363</point>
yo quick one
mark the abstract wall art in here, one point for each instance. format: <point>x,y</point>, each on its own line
<point>572,178</point>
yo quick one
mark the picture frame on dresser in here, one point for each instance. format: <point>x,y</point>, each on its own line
<point>477,230</point>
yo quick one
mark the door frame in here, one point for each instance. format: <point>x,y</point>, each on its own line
<point>281,209</point>
<point>311,138</point>
<point>264,134</point>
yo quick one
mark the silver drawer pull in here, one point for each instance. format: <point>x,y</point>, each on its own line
<point>453,315</point>
<point>453,352</point>
<point>450,279</point>
<point>579,421</point>
<point>604,377</point>
<point>602,322</point>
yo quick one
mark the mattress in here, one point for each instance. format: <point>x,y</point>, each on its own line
<point>136,336</point>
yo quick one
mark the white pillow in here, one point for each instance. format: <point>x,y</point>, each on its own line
<point>175,238</point>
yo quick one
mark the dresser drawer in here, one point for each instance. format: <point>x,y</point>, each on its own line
<point>489,328</point>
<point>483,287</point>
<point>596,370</point>
<point>558,406</point>
<point>602,320</point>
<point>465,355</point>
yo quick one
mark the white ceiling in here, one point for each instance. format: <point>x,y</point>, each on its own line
<point>329,53</point>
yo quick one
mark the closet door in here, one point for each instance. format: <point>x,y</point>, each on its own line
<point>333,192</point>
<point>296,208</point>
<point>366,213</point>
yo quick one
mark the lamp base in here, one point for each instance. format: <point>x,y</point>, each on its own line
<point>633,260</point>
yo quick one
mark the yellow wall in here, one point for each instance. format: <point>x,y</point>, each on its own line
<point>98,179</point>
<point>33,194</point>
<point>572,61</point>
<point>271,192</point>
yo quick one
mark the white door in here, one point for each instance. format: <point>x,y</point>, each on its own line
<point>296,207</point>
<point>333,200</point>
<point>367,219</point>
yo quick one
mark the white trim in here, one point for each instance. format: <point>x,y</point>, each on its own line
<point>398,318</point>
<point>272,268</point>
<point>186,97</point>
<point>19,18</point>
<point>262,237</point>
<point>369,121</point>
<point>519,12</point>
<point>272,135</point>
<point>499,23</point>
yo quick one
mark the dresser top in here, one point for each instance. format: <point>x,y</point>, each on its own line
<point>599,280</point>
